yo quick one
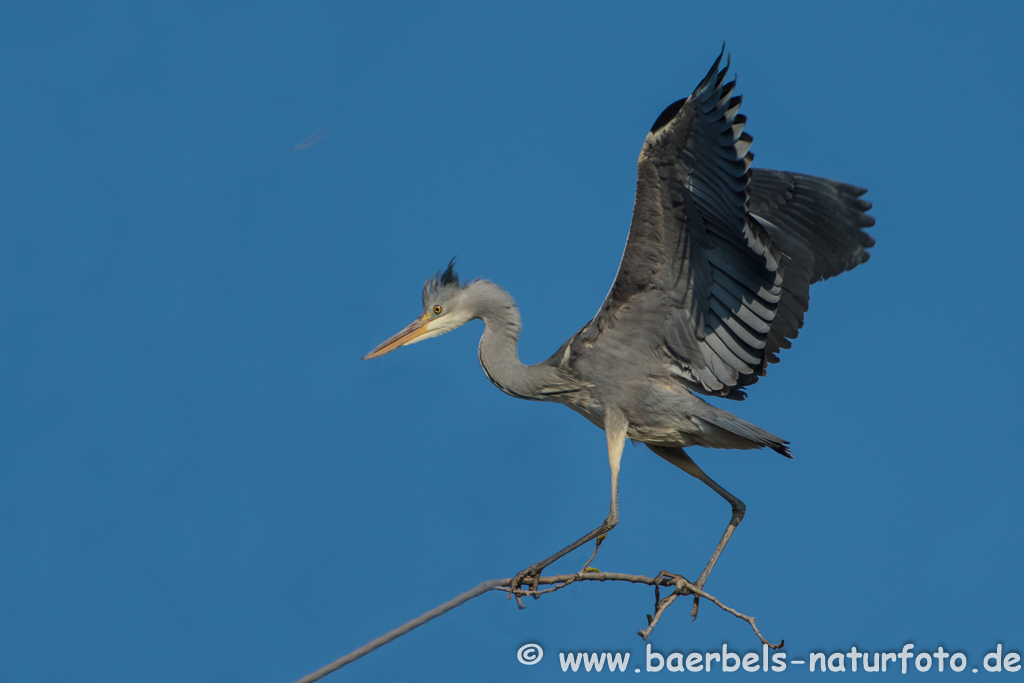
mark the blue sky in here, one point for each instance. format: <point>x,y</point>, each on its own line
<point>200,480</point>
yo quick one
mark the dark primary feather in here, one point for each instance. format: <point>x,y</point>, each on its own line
<point>715,277</point>
<point>826,216</point>
<point>817,225</point>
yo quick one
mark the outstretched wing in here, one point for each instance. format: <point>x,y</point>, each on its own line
<point>716,273</point>
<point>699,282</point>
<point>817,225</point>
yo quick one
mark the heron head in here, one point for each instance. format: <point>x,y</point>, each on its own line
<point>444,310</point>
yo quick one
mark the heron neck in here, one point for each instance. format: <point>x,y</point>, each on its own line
<point>498,352</point>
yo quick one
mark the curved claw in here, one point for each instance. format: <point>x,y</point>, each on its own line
<point>533,574</point>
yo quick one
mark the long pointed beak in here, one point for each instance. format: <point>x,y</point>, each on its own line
<point>416,329</point>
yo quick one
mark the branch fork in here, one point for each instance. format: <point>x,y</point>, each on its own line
<point>680,587</point>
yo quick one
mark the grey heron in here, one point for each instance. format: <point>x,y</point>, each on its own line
<point>713,283</point>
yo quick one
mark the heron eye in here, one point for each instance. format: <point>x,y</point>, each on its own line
<point>437,310</point>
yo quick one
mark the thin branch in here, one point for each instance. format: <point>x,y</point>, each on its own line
<point>405,628</point>
<point>680,585</point>
<point>684,587</point>
<point>597,546</point>
<point>661,605</point>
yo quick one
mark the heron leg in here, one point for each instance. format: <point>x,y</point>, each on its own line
<point>679,458</point>
<point>615,429</point>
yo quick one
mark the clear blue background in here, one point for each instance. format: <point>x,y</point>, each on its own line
<point>199,479</point>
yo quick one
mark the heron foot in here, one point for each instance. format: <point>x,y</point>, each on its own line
<point>681,583</point>
<point>530,577</point>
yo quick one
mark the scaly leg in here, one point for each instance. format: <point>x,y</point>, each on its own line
<point>615,427</point>
<point>679,458</point>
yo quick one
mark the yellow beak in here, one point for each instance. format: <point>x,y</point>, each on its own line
<point>416,329</point>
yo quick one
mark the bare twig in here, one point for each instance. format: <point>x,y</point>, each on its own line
<point>405,628</point>
<point>597,546</point>
<point>665,579</point>
<point>684,587</point>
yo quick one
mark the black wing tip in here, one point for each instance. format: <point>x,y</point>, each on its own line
<point>718,60</point>
<point>713,79</point>
<point>715,74</point>
<point>783,449</point>
<point>862,219</point>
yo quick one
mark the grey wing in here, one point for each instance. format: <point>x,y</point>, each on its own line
<point>715,276</point>
<point>825,216</point>
<point>817,225</point>
<point>700,281</point>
